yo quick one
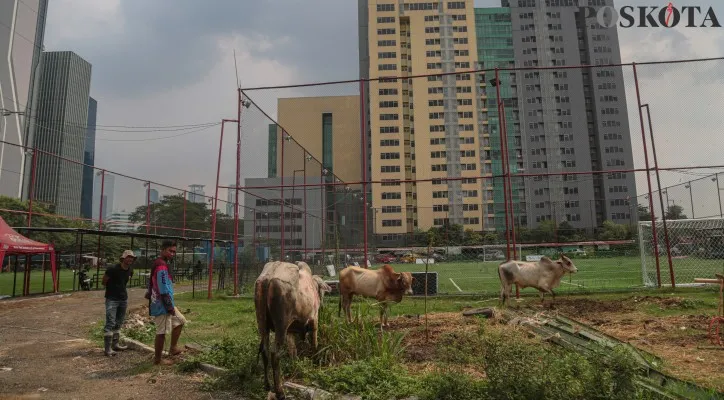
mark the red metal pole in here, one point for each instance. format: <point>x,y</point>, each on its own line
<point>648,180</point>
<point>281,202</point>
<point>100,224</point>
<point>306,245</point>
<point>502,150</point>
<point>148,208</point>
<point>324,211</point>
<point>661,199</point>
<point>236,191</point>
<point>32,187</point>
<point>511,209</point>
<point>213,212</point>
<point>363,129</point>
<point>183,229</point>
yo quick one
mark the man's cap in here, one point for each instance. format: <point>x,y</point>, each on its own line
<point>128,253</point>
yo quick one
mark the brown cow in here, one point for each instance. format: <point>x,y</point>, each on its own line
<point>383,284</point>
<point>287,299</point>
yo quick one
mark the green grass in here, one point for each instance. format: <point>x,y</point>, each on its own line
<point>36,282</point>
<point>352,357</point>
<point>593,274</point>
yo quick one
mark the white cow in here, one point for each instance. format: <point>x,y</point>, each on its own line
<point>544,275</point>
<point>287,298</point>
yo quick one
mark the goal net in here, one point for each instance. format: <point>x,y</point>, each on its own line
<point>696,246</point>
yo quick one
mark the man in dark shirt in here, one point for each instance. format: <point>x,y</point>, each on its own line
<point>115,280</point>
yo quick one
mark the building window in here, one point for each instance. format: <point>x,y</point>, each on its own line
<point>386,31</point>
<point>385,7</point>
<point>272,159</point>
<point>442,194</point>
<point>387,67</point>
<point>327,147</point>
<point>386,43</point>
<point>455,5</point>
<point>391,195</point>
<point>389,104</point>
<point>391,222</point>
<point>389,168</point>
<point>391,209</point>
<point>387,54</point>
<point>389,117</point>
<point>389,129</point>
<point>389,142</point>
<point>385,20</point>
<point>389,156</point>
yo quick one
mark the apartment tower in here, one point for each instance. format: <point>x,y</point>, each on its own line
<point>62,129</point>
<point>22,28</point>
<point>572,119</point>
<point>425,128</point>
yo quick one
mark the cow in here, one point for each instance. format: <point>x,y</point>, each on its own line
<point>287,298</point>
<point>544,275</point>
<point>383,284</point>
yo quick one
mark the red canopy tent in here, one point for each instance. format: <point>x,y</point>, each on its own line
<point>13,243</point>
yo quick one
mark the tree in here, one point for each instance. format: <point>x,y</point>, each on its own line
<point>675,212</point>
<point>167,216</point>
<point>613,231</point>
<point>644,214</point>
<point>473,238</point>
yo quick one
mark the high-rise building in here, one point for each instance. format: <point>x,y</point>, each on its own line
<point>231,199</point>
<point>326,127</point>
<point>62,118</point>
<point>439,132</point>
<point>89,153</point>
<point>22,27</point>
<point>107,186</point>
<point>272,151</point>
<point>196,194</point>
<point>494,37</point>
<point>152,196</point>
<point>572,119</point>
<point>120,221</point>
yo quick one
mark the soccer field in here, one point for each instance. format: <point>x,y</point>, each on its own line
<point>593,274</point>
<point>8,279</point>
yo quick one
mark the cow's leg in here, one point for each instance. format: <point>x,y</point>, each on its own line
<point>291,346</point>
<point>347,304</point>
<point>315,327</point>
<point>280,335</point>
<point>265,358</point>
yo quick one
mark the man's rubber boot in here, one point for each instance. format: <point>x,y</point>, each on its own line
<point>107,342</point>
<point>116,346</point>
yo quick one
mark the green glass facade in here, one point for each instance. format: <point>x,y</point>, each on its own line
<point>272,157</point>
<point>495,50</point>
<point>327,145</point>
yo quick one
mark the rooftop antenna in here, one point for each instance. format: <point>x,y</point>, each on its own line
<point>236,69</point>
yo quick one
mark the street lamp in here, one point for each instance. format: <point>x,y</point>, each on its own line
<point>691,199</point>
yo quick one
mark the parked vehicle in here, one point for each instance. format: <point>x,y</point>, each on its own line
<point>386,258</point>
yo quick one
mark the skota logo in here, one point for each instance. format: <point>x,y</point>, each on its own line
<point>668,16</point>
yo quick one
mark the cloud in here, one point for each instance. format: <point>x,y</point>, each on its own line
<point>169,62</point>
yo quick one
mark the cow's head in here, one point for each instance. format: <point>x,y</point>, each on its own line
<point>404,282</point>
<point>567,264</point>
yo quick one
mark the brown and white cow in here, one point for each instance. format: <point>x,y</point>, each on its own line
<point>544,275</point>
<point>384,284</point>
<point>287,298</point>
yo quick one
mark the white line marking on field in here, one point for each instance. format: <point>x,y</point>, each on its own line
<point>572,284</point>
<point>456,285</point>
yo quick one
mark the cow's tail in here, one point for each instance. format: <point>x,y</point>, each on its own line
<point>262,289</point>
<point>503,282</point>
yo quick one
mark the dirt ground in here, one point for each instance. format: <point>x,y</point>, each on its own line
<point>66,365</point>
<point>675,339</point>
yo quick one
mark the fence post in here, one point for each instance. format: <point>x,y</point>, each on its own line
<point>240,104</point>
<point>183,228</point>
<point>502,156</point>
<point>100,225</point>
<point>363,129</point>
<point>213,210</point>
<point>661,198</point>
<point>648,179</point>
<point>32,186</point>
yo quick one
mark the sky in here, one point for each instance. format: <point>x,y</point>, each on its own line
<point>171,62</point>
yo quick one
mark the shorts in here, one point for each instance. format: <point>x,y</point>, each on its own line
<point>166,322</point>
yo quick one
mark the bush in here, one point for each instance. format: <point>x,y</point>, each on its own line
<point>451,384</point>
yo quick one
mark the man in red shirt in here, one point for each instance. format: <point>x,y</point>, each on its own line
<point>167,317</point>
